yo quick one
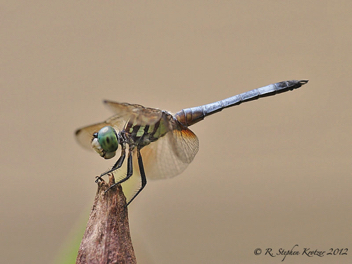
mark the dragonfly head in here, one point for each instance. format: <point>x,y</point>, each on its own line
<point>105,142</point>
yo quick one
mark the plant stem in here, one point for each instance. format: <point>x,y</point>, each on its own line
<point>107,237</point>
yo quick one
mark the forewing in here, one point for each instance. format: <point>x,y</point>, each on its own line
<point>139,113</point>
<point>171,154</point>
<point>124,112</point>
<point>84,135</point>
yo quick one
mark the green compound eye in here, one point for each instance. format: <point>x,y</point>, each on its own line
<point>107,139</point>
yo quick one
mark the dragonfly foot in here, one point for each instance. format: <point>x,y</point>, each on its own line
<point>98,179</point>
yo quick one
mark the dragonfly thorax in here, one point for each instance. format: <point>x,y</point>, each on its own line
<point>106,142</point>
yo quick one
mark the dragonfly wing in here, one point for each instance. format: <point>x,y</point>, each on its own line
<point>171,154</point>
<point>140,114</point>
<point>84,135</point>
<point>184,143</point>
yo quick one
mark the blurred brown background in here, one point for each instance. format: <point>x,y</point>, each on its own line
<point>269,174</point>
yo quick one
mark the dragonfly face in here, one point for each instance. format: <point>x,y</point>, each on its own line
<point>105,142</point>
<point>163,139</point>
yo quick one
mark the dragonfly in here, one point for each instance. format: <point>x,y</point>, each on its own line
<point>155,141</point>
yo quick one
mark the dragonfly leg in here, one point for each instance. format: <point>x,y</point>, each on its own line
<point>129,171</point>
<point>116,166</point>
<point>142,173</point>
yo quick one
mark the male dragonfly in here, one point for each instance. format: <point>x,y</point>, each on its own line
<point>162,139</point>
